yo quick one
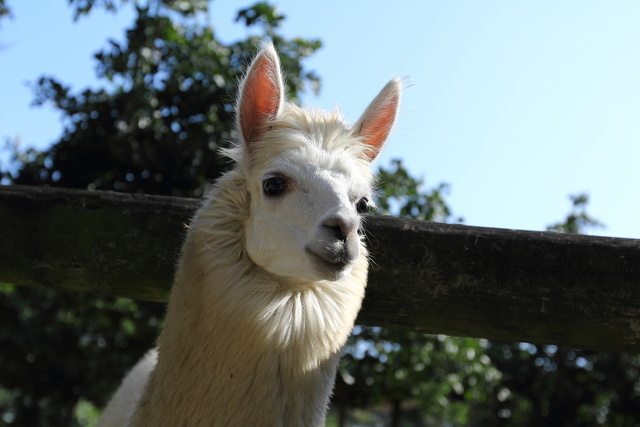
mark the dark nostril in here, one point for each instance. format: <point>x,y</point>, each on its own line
<point>340,228</point>
<point>337,232</point>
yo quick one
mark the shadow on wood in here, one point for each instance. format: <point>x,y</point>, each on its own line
<point>540,287</point>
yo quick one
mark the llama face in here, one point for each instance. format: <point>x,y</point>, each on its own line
<point>308,175</point>
<point>305,216</point>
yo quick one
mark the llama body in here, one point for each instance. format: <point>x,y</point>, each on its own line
<point>272,272</point>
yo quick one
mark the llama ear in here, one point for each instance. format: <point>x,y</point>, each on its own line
<point>261,95</point>
<point>374,126</point>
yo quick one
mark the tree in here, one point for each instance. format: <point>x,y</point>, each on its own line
<point>4,10</point>
<point>577,221</point>
<point>154,127</point>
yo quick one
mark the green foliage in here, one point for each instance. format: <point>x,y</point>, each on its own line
<point>185,7</point>
<point>578,221</point>
<point>423,379</point>
<point>5,12</point>
<point>262,13</point>
<point>165,110</point>
<point>58,347</point>
<point>402,195</point>
<point>547,385</point>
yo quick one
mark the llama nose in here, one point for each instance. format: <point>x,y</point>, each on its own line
<point>341,227</point>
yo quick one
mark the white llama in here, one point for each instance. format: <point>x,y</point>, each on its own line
<point>272,272</point>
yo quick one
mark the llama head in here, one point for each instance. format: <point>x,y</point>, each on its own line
<point>308,175</point>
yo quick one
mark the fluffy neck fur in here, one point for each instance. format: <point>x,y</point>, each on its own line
<point>240,346</point>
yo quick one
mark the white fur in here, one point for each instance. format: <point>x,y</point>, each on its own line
<point>123,402</point>
<point>267,287</point>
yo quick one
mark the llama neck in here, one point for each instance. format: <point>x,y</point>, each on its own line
<point>239,347</point>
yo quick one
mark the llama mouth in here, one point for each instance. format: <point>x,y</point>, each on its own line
<point>332,265</point>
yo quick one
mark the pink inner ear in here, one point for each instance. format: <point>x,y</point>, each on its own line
<point>376,129</point>
<point>260,99</point>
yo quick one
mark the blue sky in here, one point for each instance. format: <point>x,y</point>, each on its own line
<point>515,104</point>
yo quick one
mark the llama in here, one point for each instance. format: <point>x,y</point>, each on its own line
<point>272,272</point>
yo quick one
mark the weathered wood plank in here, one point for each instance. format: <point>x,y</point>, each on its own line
<point>578,291</point>
<point>104,242</point>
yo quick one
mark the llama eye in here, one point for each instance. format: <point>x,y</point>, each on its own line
<point>362,205</point>
<point>274,186</point>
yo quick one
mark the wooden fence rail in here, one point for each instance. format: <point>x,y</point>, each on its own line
<point>539,287</point>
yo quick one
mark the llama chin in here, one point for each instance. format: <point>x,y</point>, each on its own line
<point>272,272</point>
